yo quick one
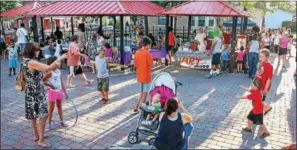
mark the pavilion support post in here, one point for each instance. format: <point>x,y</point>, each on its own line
<point>122,39</point>
<point>171,22</point>
<point>245,21</point>
<point>2,27</point>
<point>72,26</point>
<point>233,45</point>
<point>114,31</point>
<point>146,25</point>
<point>189,28</point>
<point>42,29</point>
<point>166,37</point>
<point>35,29</point>
<point>175,19</point>
<point>241,25</point>
<point>183,33</point>
<point>52,25</point>
<point>100,19</point>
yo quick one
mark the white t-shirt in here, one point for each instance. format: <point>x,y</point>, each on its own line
<point>58,50</point>
<point>100,41</point>
<point>217,47</point>
<point>55,79</point>
<point>200,38</point>
<point>21,34</point>
<point>276,39</point>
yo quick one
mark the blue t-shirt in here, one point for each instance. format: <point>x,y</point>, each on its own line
<point>225,55</point>
<point>101,67</point>
<point>49,51</point>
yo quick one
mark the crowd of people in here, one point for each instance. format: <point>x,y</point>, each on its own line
<point>37,97</point>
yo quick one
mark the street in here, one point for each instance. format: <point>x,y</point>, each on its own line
<point>218,115</point>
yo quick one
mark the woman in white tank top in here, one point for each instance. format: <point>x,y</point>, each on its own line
<point>253,56</point>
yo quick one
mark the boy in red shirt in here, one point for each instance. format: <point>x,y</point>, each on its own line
<point>143,64</point>
<point>265,74</point>
<point>171,43</point>
<point>256,114</point>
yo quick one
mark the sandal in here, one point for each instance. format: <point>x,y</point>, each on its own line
<point>45,145</point>
<point>105,101</point>
<point>45,137</point>
<point>267,111</point>
<point>136,111</point>
<point>247,130</point>
<point>264,135</point>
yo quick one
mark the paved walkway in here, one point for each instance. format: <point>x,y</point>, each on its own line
<point>218,114</point>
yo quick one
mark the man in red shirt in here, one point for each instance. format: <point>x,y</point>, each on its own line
<point>265,74</point>
<point>256,114</point>
<point>227,37</point>
<point>171,43</point>
<point>143,64</point>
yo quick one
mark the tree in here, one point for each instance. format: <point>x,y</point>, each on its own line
<point>7,5</point>
<point>168,3</point>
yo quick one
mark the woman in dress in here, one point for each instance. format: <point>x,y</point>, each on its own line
<point>35,99</point>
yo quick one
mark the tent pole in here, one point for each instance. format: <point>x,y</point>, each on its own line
<point>175,19</point>
<point>166,37</point>
<point>35,29</point>
<point>241,24</point>
<point>245,24</point>
<point>122,39</point>
<point>233,44</point>
<point>100,18</point>
<point>114,31</point>
<point>42,29</point>
<point>146,26</point>
<point>171,22</point>
<point>189,28</point>
<point>72,26</point>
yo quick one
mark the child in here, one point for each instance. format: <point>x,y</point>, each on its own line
<point>239,59</point>
<point>256,114</point>
<point>108,52</point>
<point>12,58</point>
<point>102,75</point>
<point>156,104</point>
<point>225,57</point>
<point>56,93</point>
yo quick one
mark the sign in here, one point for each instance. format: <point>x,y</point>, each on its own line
<point>196,63</point>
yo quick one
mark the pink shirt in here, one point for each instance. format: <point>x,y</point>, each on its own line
<point>240,55</point>
<point>283,42</point>
<point>108,52</point>
<point>73,55</point>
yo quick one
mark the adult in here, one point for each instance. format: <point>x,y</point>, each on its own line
<point>143,65</point>
<point>100,37</point>
<point>283,45</point>
<point>253,55</point>
<point>23,38</point>
<point>74,63</point>
<point>266,40</point>
<point>151,36</point>
<point>200,40</point>
<point>31,34</point>
<point>58,34</point>
<point>2,43</point>
<point>81,41</point>
<point>216,53</point>
<point>135,38</point>
<point>171,129</point>
<point>227,37</point>
<point>49,50</point>
<point>35,97</point>
<point>14,35</point>
<point>276,37</point>
<point>171,43</point>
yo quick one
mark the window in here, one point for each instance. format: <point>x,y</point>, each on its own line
<point>211,22</point>
<point>201,21</point>
<point>161,21</point>
<point>193,22</point>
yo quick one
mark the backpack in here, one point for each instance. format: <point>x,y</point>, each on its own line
<point>20,81</point>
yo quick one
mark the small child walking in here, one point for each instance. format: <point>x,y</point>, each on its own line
<point>256,114</point>
<point>56,93</point>
<point>102,75</point>
<point>225,57</point>
<point>12,58</point>
<point>239,59</point>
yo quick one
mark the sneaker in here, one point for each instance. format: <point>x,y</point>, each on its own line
<point>9,74</point>
<point>71,86</point>
<point>63,124</point>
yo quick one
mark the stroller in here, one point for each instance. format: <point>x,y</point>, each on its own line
<point>161,80</point>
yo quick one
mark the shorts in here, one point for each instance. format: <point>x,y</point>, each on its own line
<point>54,95</point>
<point>282,51</point>
<point>256,118</point>
<point>216,59</point>
<point>170,48</point>
<point>239,61</point>
<point>75,70</point>
<point>145,87</point>
<point>103,84</point>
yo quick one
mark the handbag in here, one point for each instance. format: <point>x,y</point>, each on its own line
<point>20,81</point>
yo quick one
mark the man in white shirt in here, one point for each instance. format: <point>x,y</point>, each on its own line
<point>200,40</point>
<point>22,35</point>
<point>276,37</point>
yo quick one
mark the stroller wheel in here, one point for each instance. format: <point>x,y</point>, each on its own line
<point>152,141</point>
<point>133,137</point>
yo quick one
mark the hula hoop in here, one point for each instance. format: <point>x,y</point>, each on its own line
<point>75,111</point>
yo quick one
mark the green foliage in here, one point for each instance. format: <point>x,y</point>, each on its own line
<point>7,5</point>
<point>289,24</point>
<point>168,4</point>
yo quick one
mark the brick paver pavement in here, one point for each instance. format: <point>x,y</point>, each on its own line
<point>218,115</point>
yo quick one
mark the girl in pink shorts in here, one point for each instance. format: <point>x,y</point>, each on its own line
<point>56,92</point>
